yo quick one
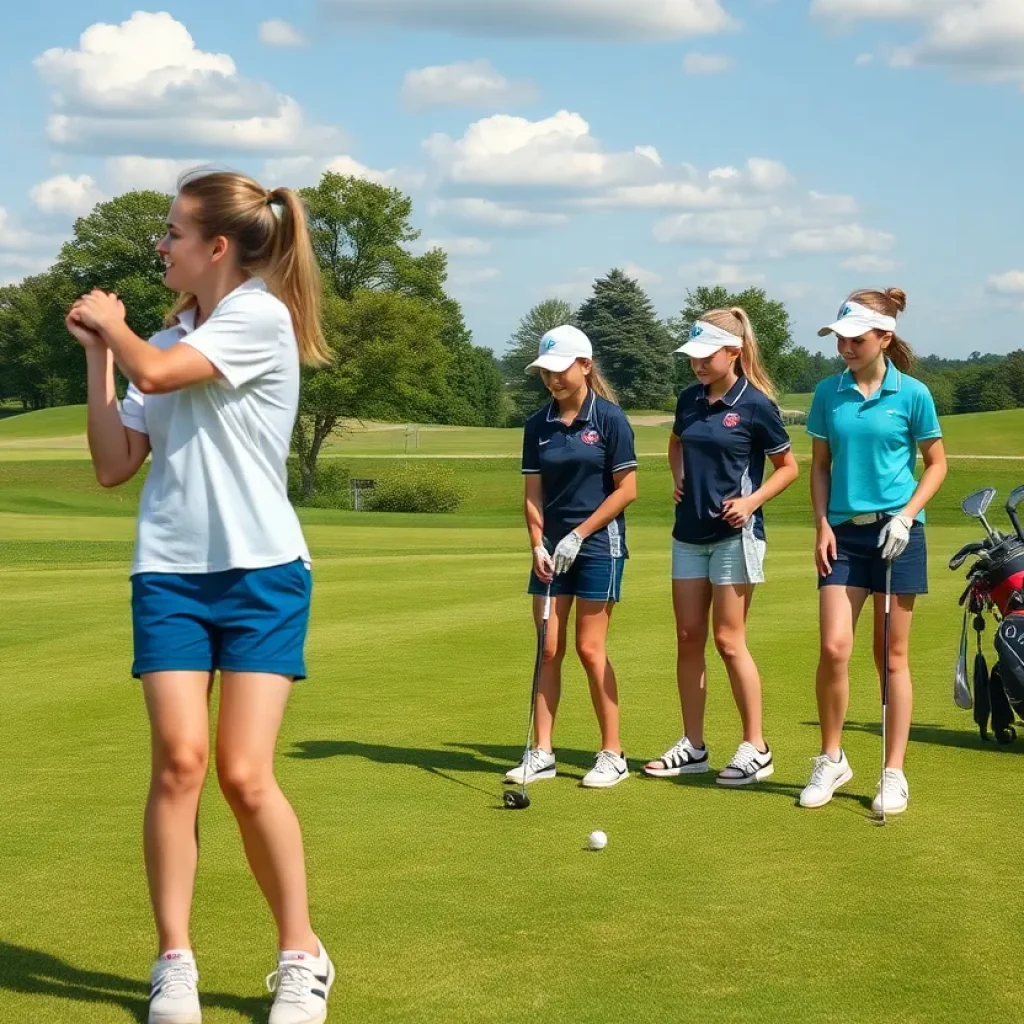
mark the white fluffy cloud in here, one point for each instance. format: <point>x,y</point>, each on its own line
<point>276,32</point>
<point>711,273</point>
<point>474,83</point>
<point>145,84</point>
<point>840,238</point>
<point>977,38</point>
<point>707,63</point>
<point>1009,283</point>
<point>64,194</point>
<point>870,264</point>
<point>143,172</point>
<point>497,216</point>
<point>593,19</point>
<point>299,171</point>
<point>558,151</point>
<point>646,278</point>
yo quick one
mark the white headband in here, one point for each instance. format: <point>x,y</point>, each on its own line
<point>706,339</point>
<point>855,320</point>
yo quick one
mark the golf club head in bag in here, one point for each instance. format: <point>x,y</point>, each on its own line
<point>1010,648</point>
<point>961,687</point>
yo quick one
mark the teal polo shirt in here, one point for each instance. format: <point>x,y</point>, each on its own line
<point>873,441</point>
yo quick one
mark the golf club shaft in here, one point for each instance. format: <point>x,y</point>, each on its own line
<point>885,674</point>
<point>538,665</point>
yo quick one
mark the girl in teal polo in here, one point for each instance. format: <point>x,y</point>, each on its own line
<point>868,425</point>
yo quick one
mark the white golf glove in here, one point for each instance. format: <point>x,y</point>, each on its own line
<point>895,536</point>
<point>566,551</point>
<point>542,558</point>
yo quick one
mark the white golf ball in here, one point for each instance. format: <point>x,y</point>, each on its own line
<point>597,840</point>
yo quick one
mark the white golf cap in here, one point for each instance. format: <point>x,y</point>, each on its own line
<point>706,339</point>
<point>855,320</point>
<point>560,348</point>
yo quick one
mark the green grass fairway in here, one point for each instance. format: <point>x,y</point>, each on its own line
<point>437,905</point>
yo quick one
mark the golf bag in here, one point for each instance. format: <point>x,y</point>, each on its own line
<point>995,586</point>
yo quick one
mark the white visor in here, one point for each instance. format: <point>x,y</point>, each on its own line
<point>706,339</point>
<point>856,320</point>
<point>560,348</point>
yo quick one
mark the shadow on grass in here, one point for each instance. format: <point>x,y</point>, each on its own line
<point>31,972</point>
<point>942,736</point>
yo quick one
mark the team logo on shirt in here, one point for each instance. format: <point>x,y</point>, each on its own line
<point>590,436</point>
<point>731,419</point>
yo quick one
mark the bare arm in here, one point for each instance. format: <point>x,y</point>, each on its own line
<point>117,452</point>
<point>736,511</point>
<point>609,509</point>
<point>821,488</point>
<point>533,508</point>
<point>933,453</point>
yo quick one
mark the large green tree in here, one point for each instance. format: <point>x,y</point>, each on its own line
<point>526,390</point>
<point>631,345</point>
<point>769,318</point>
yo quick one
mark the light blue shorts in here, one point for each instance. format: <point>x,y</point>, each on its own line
<point>731,562</point>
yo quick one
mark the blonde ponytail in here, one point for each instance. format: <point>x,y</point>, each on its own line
<point>272,240</point>
<point>737,322</point>
<point>600,386</point>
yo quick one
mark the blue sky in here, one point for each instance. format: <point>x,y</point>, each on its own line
<point>808,146</point>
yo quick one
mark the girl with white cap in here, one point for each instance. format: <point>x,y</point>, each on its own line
<point>727,426</point>
<point>579,465</point>
<point>868,424</point>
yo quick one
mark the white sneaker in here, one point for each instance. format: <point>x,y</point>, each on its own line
<point>826,777</point>
<point>748,765</point>
<point>609,770</point>
<point>896,793</point>
<point>537,765</point>
<point>302,983</point>
<point>174,989</point>
<point>683,759</point>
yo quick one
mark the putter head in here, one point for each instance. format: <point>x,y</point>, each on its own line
<point>516,800</point>
<point>1015,498</point>
<point>976,505</point>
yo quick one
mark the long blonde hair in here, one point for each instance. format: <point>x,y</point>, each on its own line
<point>891,302</point>
<point>268,227</point>
<point>600,386</point>
<point>736,321</point>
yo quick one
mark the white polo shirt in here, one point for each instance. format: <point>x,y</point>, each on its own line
<point>216,497</point>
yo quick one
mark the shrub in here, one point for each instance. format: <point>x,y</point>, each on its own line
<point>330,485</point>
<point>416,489</point>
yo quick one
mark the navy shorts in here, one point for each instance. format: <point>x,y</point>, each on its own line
<point>241,620</point>
<point>589,579</point>
<point>860,563</point>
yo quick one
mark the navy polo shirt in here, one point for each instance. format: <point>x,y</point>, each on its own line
<point>575,464</point>
<point>725,444</point>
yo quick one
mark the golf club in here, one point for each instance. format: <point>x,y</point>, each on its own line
<point>976,505</point>
<point>1012,502</point>
<point>516,799</point>
<point>885,680</point>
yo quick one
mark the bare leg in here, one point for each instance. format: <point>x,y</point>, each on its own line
<point>838,611</point>
<point>252,706</point>
<point>177,703</point>
<point>592,619</point>
<point>731,606</point>
<point>550,690</point>
<point>901,696</point>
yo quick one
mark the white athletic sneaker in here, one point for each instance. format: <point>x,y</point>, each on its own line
<point>609,770</point>
<point>537,766</point>
<point>302,983</point>
<point>897,793</point>
<point>826,777</point>
<point>174,989</point>
<point>748,765</point>
<point>683,759</point>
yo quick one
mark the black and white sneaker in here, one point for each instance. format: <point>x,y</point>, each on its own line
<point>609,770</point>
<point>174,992</point>
<point>301,983</point>
<point>683,759</point>
<point>748,765</point>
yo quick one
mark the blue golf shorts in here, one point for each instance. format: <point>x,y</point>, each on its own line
<point>241,620</point>
<point>589,579</point>
<point>860,563</point>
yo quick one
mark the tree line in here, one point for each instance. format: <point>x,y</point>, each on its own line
<point>401,346</point>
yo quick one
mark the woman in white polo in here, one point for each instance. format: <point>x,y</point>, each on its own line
<point>221,575</point>
<point>727,427</point>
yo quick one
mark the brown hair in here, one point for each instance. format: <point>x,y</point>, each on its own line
<point>891,302</point>
<point>268,227</point>
<point>600,386</point>
<point>736,321</point>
